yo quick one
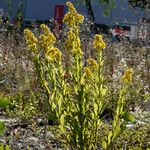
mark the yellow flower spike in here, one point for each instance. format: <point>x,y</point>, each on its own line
<point>98,37</point>
<point>42,40</point>
<point>98,43</point>
<point>88,73</point>
<point>78,42</point>
<point>49,37</point>
<point>80,18</point>
<point>31,40</point>
<point>32,47</point>
<point>72,18</point>
<point>53,54</point>
<point>46,41</point>
<point>70,6</point>
<point>71,36</point>
<point>92,64</point>
<point>42,26</point>
<point>76,47</point>
<point>127,76</point>
<point>77,51</point>
<point>69,44</point>
<point>45,29</point>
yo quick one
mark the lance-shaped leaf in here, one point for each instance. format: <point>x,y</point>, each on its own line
<point>117,132</point>
<point>104,144</point>
<point>2,127</point>
<point>128,117</point>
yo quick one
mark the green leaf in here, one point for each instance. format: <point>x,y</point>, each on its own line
<point>117,132</point>
<point>4,147</point>
<point>95,109</point>
<point>91,146</point>
<point>2,127</point>
<point>53,106</point>
<point>59,102</point>
<point>106,12</point>
<point>128,117</point>
<point>1,147</point>
<point>4,102</point>
<point>99,123</point>
<point>82,80</point>
<point>61,128</point>
<point>110,134</point>
<point>104,145</point>
<point>103,92</point>
<point>62,119</point>
<point>92,116</point>
<point>7,147</point>
<point>123,126</point>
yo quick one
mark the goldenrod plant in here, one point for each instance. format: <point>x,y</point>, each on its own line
<point>75,93</point>
<point>119,125</point>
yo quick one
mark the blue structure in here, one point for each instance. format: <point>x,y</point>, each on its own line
<point>43,10</point>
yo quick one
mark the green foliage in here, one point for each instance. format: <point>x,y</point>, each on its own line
<point>108,5</point>
<point>118,125</point>
<point>2,127</point>
<point>128,117</point>
<point>4,147</point>
<point>4,102</point>
<point>134,139</point>
<point>25,105</point>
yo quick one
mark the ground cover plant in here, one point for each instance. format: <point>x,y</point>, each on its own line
<point>76,86</point>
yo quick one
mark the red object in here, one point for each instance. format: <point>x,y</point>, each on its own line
<point>58,15</point>
<point>119,30</point>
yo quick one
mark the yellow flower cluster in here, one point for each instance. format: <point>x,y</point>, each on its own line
<point>98,43</point>
<point>77,48</point>
<point>128,76</point>
<point>31,40</point>
<point>73,43</point>
<point>70,7</point>
<point>88,73</point>
<point>92,64</point>
<point>72,18</point>
<point>53,54</point>
<point>70,40</point>
<point>47,39</point>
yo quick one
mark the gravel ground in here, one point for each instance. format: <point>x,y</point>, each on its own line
<point>22,136</point>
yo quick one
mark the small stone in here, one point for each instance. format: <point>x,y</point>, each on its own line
<point>42,147</point>
<point>34,139</point>
<point>2,141</point>
<point>130,126</point>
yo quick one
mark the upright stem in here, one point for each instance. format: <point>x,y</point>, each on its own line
<point>40,72</point>
<point>119,107</point>
<point>99,99</point>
